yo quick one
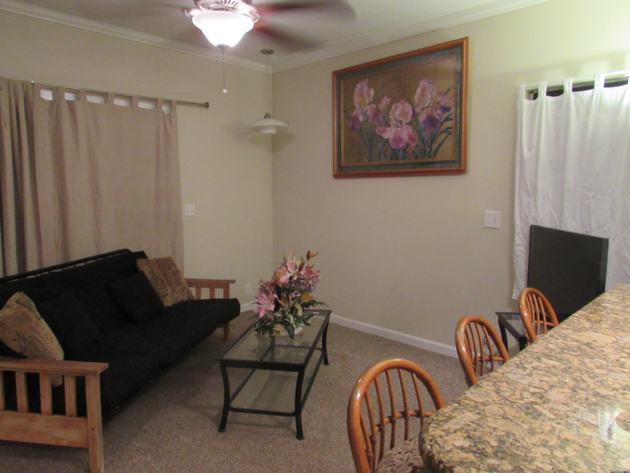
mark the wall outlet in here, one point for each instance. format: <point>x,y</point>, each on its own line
<point>491,219</point>
<point>248,288</point>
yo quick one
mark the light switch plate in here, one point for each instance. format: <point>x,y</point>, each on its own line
<point>189,209</point>
<point>491,219</point>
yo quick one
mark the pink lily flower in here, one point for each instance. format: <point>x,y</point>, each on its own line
<point>266,303</point>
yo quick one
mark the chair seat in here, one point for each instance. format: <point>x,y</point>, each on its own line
<point>403,458</point>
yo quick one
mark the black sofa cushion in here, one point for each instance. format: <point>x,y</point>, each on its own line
<point>169,335</point>
<point>131,339</point>
<point>70,323</point>
<point>39,289</point>
<point>90,283</point>
<point>127,373</point>
<point>137,298</point>
<point>187,323</point>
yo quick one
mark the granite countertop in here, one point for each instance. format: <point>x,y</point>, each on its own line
<point>562,404</point>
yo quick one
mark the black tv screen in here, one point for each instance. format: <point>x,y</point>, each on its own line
<point>568,268</point>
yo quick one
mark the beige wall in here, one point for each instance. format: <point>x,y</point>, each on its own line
<point>410,254</point>
<point>225,171</point>
<point>405,254</point>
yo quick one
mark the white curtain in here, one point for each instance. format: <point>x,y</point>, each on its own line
<point>573,170</point>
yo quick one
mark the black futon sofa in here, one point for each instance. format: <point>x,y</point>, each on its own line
<point>114,340</point>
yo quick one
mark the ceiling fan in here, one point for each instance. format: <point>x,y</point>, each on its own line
<point>225,22</point>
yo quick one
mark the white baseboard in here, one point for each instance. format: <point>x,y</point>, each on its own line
<point>383,332</point>
<point>396,336</point>
<point>248,306</point>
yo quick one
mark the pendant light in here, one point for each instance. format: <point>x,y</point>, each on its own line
<point>268,125</point>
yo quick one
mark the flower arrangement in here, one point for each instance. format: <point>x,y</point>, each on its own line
<point>283,299</point>
<point>413,129</point>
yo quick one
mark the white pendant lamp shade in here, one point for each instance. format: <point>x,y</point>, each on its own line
<point>268,125</point>
<point>223,28</point>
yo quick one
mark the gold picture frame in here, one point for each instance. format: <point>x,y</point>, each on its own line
<point>402,115</point>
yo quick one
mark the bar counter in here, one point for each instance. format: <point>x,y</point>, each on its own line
<point>561,405</point>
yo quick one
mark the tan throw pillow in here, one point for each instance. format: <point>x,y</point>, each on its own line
<point>24,331</point>
<point>166,279</point>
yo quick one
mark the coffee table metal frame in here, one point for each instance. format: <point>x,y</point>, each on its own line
<point>297,358</point>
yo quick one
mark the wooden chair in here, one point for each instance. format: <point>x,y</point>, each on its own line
<point>537,313</point>
<point>479,347</point>
<point>387,394</point>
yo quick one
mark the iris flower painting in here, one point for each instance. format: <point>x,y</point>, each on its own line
<point>402,115</point>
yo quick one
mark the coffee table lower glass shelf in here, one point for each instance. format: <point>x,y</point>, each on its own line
<point>274,374</point>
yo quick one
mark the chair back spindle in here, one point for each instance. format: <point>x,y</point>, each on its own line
<point>537,313</point>
<point>479,347</point>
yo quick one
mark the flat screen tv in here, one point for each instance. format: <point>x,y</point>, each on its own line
<point>568,268</point>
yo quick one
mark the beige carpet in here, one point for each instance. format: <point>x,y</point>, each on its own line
<point>172,425</point>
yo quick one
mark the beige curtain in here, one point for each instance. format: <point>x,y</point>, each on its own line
<point>20,234</point>
<point>101,176</point>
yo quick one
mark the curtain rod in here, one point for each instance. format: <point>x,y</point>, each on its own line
<point>580,80</point>
<point>103,92</point>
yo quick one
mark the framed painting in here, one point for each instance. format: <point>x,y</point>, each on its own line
<point>402,115</point>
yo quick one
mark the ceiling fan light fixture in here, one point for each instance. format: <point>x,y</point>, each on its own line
<point>268,125</point>
<point>223,28</point>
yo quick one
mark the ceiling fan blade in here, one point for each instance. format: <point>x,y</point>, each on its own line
<point>338,7</point>
<point>106,11</point>
<point>288,40</point>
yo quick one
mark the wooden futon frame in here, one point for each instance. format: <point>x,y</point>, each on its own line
<point>70,430</point>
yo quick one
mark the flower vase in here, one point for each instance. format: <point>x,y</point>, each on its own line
<point>281,331</point>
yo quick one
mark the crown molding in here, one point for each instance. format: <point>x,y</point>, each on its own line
<point>123,33</point>
<point>370,40</point>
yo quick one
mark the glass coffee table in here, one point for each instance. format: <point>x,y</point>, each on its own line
<point>274,374</point>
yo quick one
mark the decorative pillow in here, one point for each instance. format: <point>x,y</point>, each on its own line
<point>166,279</point>
<point>71,324</point>
<point>23,330</point>
<point>137,298</point>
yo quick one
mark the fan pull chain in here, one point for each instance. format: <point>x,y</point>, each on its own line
<point>225,91</point>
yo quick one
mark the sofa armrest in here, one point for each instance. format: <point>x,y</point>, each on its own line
<point>64,367</point>
<point>212,285</point>
<point>69,430</point>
